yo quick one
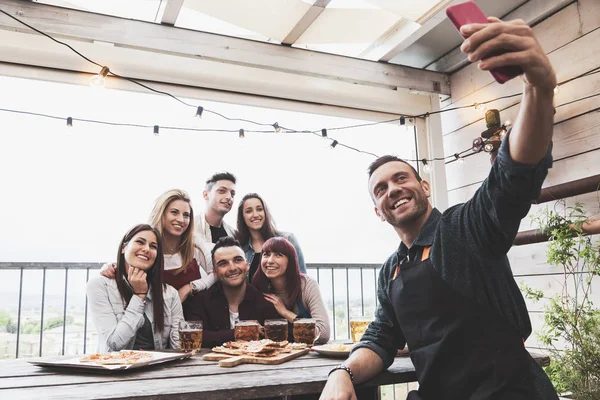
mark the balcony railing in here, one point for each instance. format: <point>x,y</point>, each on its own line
<point>45,309</point>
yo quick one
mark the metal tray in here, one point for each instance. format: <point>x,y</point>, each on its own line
<point>73,362</point>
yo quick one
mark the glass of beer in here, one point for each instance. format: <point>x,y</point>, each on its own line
<point>276,329</point>
<point>247,330</point>
<point>305,330</point>
<point>358,326</point>
<point>190,335</point>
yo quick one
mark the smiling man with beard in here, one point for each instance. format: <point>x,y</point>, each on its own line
<point>448,291</point>
<point>230,299</point>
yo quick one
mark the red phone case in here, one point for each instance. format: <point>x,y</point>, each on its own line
<point>469,13</point>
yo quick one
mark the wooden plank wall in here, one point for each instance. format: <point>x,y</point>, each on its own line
<point>571,38</point>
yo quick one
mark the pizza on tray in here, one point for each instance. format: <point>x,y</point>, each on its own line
<point>258,348</point>
<point>125,357</point>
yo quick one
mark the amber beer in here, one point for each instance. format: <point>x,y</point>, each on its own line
<point>305,331</point>
<point>246,331</point>
<point>358,326</point>
<point>190,335</point>
<point>276,329</point>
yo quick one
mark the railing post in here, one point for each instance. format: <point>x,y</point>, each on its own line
<point>348,302</point>
<point>333,297</point>
<point>19,313</point>
<point>87,278</point>
<point>362,293</point>
<point>42,313</point>
<point>65,311</point>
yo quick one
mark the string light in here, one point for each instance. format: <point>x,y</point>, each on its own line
<point>69,122</point>
<point>241,134</point>
<point>199,111</point>
<point>155,130</point>
<point>489,147</point>
<point>460,159</point>
<point>426,166</point>
<point>276,127</point>
<point>324,132</point>
<point>97,81</point>
<point>480,107</point>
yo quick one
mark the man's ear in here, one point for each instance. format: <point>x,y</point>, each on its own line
<point>379,214</point>
<point>426,188</point>
<point>205,194</point>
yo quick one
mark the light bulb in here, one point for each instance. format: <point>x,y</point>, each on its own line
<point>333,144</point>
<point>556,89</point>
<point>461,160</point>
<point>426,167</point>
<point>199,111</point>
<point>507,123</point>
<point>489,147</point>
<point>97,81</point>
<point>276,127</point>
<point>480,107</point>
<point>155,130</point>
<point>242,134</point>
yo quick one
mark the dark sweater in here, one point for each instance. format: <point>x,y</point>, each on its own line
<point>211,307</point>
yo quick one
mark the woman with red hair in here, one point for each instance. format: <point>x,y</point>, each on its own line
<point>294,294</point>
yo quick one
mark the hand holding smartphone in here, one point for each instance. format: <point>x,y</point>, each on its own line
<point>469,13</point>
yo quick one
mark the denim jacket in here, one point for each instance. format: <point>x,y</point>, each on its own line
<point>249,251</point>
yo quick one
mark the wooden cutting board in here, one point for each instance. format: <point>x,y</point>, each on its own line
<point>228,361</point>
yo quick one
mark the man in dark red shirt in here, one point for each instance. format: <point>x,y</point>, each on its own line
<point>229,300</point>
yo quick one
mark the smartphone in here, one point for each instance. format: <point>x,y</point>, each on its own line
<point>469,13</point>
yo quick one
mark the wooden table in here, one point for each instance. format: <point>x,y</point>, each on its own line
<point>193,378</point>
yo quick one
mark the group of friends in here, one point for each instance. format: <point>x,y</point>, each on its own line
<point>181,266</point>
<point>447,291</point>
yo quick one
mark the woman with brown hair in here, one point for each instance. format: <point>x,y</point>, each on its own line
<point>255,226</point>
<point>136,310</point>
<point>292,293</point>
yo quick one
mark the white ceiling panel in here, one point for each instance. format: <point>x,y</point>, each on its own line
<point>265,20</point>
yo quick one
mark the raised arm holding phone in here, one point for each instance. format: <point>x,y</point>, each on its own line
<point>448,292</point>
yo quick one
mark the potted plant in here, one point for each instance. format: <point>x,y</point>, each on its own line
<point>571,329</point>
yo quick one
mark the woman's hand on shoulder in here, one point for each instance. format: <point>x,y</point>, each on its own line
<point>279,306</point>
<point>109,270</point>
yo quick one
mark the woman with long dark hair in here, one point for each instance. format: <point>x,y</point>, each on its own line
<point>255,226</point>
<point>294,294</point>
<point>136,310</point>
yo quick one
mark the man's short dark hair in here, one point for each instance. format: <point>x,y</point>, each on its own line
<point>225,241</point>
<point>389,158</point>
<point>219,176</point>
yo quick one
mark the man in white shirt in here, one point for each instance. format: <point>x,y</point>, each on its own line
<point>218,193</point>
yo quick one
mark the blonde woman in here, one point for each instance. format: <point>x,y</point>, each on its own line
<point>187,262</point>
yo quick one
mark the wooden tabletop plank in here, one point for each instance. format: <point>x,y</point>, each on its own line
<point>176,369</point>
<point>183,380</point>
<point>267,383</point>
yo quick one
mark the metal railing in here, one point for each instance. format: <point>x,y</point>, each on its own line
<point>348,290</point>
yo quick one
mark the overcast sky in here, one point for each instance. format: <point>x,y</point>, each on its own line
<point>69,194</point>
